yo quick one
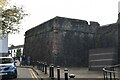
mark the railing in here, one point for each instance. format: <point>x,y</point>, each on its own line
<point>111,72</point>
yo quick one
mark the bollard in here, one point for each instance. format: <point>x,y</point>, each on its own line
<point>38,65</point>
<point>52,71</point>
<point>66,73</point>
<point>58,72</point>
<point>72,76</point>
<point>42,67</point>
<point>45,68</point>
<point>33,63</point>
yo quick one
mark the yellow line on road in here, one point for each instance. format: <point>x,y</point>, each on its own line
<point>34,77</point>
<point>34,74</point>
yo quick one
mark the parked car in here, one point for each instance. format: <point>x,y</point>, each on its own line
<point>8,67</point>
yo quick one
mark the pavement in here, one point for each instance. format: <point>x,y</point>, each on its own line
<point>35,69</point>
<point>80,73</point>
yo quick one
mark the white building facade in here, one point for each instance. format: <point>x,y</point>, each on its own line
<point>13,50</point>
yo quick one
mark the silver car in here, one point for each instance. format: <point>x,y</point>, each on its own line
<point>7,67</point>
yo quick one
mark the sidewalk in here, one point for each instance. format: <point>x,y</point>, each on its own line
<point>79,73</point>
<point>40,73</point>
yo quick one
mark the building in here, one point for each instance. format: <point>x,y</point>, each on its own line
<point>4,46</point>
<point>105,52</point>
<point>13,49</point>
<point>61,41</point>
<point>72,42</point>
<point>107,46</point>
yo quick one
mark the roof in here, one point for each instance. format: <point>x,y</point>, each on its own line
<point>5,57</point>
<point>14,47</point>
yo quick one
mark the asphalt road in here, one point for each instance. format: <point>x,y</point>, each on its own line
<point>25,74</point>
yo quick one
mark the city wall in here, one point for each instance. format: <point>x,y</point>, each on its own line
<point>61,41</point>
<point>71,42</point>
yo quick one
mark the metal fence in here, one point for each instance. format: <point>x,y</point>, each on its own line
<point>111,72</point>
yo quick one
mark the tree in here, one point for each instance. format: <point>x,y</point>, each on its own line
<point>3,3</point>
<point>18,53</point>
<point>10,18</point>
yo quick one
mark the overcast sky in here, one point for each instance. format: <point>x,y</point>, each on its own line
<point>102,11</point>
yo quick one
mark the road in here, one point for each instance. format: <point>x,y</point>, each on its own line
<point>25,74</point>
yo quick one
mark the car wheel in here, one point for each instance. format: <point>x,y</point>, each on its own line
<point>15,76</point>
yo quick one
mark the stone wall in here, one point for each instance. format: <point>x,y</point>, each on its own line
<point>107,36</point>
<point>74,37</point>
<point>118,43</point>
<point>106,42</point>
<point>62,41</point>
<point>38,42</point>
<point>102,57</point>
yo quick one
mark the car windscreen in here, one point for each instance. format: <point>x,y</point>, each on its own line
<point>6,60</point>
